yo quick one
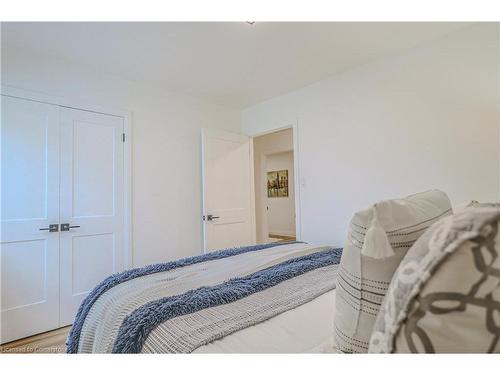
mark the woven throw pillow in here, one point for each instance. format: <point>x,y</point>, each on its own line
<point>445,295</point>
<point>378,239</point>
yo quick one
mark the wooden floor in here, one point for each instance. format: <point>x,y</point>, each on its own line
<point>281,238</point>
<point>48,342</point>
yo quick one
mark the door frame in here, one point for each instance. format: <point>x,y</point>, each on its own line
<point>126,115</point>
<point>294,125</point>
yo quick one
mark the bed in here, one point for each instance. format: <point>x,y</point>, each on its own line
<point>272,298</point>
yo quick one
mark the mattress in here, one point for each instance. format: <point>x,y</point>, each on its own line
<point>305,329</point>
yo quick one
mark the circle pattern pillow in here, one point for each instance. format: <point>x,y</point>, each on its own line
<point>445,295</point>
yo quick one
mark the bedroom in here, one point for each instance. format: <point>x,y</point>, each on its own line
<point>131,158</point>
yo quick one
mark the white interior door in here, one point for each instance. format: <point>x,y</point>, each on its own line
<point>92,203</point>
<point>227,190</point>
<point>29,255</point>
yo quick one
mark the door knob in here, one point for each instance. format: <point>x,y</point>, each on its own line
<point>66,227</point>
<point>210,217</point>
<point>52,228</point>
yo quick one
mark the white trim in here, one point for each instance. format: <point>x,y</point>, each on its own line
<point>203,199</point>
<point>36,96</point>
<point>127,190</point>
<point>295,135</point>
<point>252,193</point>
<point>298,207</point>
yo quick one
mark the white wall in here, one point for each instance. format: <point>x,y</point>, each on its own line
<point>263,145</point>
<point>166,146</point>
<point>281,213</point>
<point>425,119</point>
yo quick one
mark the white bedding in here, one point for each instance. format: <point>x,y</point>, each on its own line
<point>305,329</point>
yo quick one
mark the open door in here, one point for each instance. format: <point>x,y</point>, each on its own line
<point>227,190</point>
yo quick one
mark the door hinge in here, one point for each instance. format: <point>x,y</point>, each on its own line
<point>123,137</point>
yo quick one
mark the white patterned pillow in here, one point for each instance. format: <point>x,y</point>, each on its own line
<point>377,241</point>
<point>445,295</point>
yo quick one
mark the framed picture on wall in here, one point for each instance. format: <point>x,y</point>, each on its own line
<point>277,184</point>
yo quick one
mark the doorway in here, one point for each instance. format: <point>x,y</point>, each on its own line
<point>274,179</point>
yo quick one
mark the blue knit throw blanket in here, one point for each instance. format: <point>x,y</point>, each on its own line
<point>113,280</point>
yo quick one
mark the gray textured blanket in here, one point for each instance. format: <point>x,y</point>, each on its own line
<point>162,312</point>
<point>186,333</point>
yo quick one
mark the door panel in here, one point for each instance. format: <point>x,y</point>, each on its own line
<point>28,277</point>
<point>87,273</point>
<point>226,190</point>
<point>93,164</point>
<point>91,198</point>
<point>24,162</point>
<point>29,302</point>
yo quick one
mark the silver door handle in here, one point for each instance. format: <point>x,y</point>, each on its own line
<point>52,228</point>
<point>210,217</point>
<point>66,227</point>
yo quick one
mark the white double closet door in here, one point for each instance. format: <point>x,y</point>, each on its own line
<point>60,167</point>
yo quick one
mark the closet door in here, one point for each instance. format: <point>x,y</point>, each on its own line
<point>92,204</point>
<point>29,255</point>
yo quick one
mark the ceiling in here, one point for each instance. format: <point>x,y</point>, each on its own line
<point>233,64</point>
